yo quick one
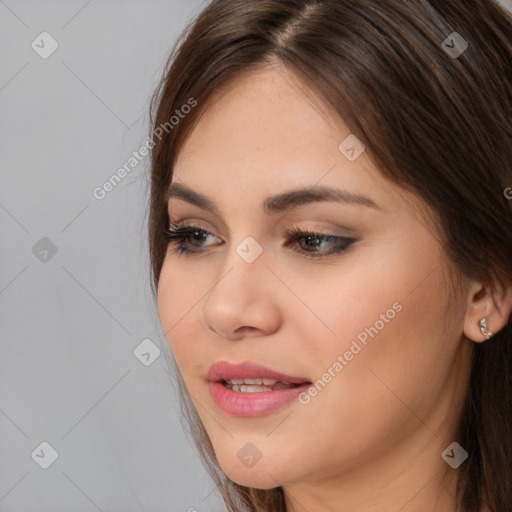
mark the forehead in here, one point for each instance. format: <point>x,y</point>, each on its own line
<point>265,132</point>
<point>261,111</point>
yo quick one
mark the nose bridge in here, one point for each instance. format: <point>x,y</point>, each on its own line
<point>246,253</point>
<point>245,262</point>
<point>240,298</point>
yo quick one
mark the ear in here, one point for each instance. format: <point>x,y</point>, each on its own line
<point>492,301</point>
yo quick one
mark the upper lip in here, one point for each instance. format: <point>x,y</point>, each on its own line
<point>223,370</point>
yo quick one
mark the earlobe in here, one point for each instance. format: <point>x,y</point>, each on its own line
<point>483,328</point>
<point>488,311</point>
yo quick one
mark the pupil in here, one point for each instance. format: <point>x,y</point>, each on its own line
<point>310,238</point>
<point>197,234</point>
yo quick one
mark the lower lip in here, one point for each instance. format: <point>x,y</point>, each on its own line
<point>236,403</point>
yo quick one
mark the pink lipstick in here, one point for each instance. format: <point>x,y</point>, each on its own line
<point>249,389</point>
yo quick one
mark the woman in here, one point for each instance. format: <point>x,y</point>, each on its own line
<point>331,247</point>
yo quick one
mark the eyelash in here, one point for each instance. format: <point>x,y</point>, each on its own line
<point>177,235</point>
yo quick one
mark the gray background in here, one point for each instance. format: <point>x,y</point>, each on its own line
<point>71,321</point>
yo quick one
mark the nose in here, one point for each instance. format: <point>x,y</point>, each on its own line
<point>243,300</point>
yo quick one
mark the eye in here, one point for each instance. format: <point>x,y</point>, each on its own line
<point>179,235</point>
<point>316,241</point>
<point>188,239</point>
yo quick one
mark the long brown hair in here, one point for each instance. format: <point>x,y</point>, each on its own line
<point>436,123</point>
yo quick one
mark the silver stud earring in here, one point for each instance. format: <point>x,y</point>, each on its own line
<point>483,327</point>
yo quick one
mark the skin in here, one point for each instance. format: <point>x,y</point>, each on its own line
<point>372,439</point>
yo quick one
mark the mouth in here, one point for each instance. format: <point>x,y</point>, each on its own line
<point>249,377</point>
<point>250,389</point>
<point>257,385</point>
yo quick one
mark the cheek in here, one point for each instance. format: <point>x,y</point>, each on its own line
<point>358,304</point>
<point>391,292</point>
<point>168,305</point>
<point>178,297</point>
<point>179,292</point>
<point>387,336</point>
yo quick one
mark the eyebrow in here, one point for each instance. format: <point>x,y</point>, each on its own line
<point>278,203</point>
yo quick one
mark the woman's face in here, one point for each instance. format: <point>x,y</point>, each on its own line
<point>367,318</point>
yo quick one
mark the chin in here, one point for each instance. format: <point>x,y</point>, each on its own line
<point>257,479</point>
<point>262,475</point>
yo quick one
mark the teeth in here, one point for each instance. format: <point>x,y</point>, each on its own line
<point>250,389</point>
<point>258,382</point>
<point>250,382</point>
<point>255,385</point>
